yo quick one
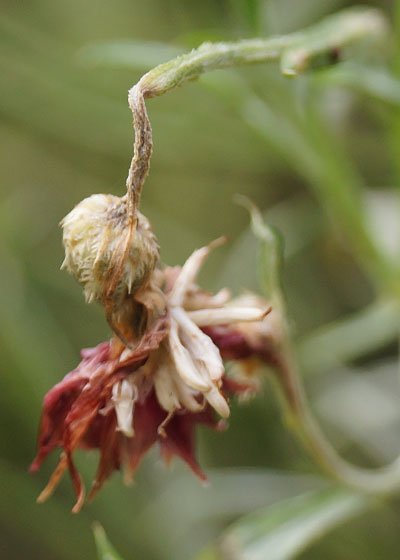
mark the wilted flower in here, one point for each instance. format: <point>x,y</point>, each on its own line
<point>122,400</point>
<point>112,254</point>
<point>97,238</point>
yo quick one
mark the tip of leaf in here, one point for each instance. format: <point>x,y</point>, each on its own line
<point>242,200</point>
<point>105,550</point>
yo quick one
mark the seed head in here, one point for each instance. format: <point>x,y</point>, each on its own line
<point>110,257</point>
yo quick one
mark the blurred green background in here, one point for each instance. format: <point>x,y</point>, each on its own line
<point>297,148</point>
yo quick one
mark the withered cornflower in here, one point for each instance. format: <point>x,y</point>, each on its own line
<point>122,399</point>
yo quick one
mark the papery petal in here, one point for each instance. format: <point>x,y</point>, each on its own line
<point>200,299</point>
<point>187,396</point>
<point>71,408</point>
<point>99,353</point>
<point>200,346</point>
<point>147,418</point>
<point>234,345</point>
<point>231,343</point>
<point>108,442</point>
<point>227,315</point>
<point>237,388</point>
<point>189,271</point>
<point>55,478</point>
<point>179,438</point>
<point>56,406</point>
<point>165,388</point>
<point>64,463</point>
<point>124,394</point>
<point>218,402</point>
<point>77,483</point>
<point>184,363</point>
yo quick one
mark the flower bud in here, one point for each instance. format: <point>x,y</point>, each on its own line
<point>109,257</point>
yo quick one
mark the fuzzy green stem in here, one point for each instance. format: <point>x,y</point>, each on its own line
<point>295,53</point>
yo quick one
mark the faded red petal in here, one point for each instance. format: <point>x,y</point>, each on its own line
<point>72,407</point>
<point>59,400</point>
<point>180,433</point>
<point>78,412</point>
<point>56,406</point>
<point>178,439</point>
<point>234,387</point>
<point>78,484</point>
<point>55,478</point>
<point>147,416</point>
<point>108,442</point>
<point>233,344</point>
<point>99,353</point>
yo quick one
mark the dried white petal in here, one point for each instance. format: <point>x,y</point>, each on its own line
<point>200,346</point>
<point>218,402</point>
<point>165,388</point>
<point>184,363</point>
<point>125,354</point>
<point>124,395</point>
<point>226,315</point>
<point>197,299</point>
<point>187,396</point>
<point>189,272</point>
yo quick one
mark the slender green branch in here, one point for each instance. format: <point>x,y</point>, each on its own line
<point>288,382</point>
<point>300,420</point>
<point>295,53</point>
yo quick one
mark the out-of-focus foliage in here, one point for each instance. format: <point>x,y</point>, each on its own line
<point>104,549</point>
<point>312,153</point>
<point>283,530</point>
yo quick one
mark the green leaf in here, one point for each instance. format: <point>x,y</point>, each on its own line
<point>282,531</point>
<point>376,82</point>
<point>141,55</point>
<point>250,11</point>
<point>105,550</point>
<point>209,553</point>
<point>360,333</point>
<point>271,253</point>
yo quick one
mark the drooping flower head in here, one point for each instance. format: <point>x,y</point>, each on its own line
<point>164,379</point>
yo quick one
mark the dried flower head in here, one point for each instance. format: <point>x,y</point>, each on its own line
<point>110,258</point>
<point>163,372</point>
<point>122,400</point>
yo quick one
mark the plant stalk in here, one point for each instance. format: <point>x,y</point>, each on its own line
<point>301,421</point>
<point>295,52</point>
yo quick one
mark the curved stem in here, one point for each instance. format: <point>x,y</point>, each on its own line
<point>301,421</point>
<point>295,53</point>
<point>142,149</point>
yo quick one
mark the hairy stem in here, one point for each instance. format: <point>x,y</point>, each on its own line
<point>295,53</point>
